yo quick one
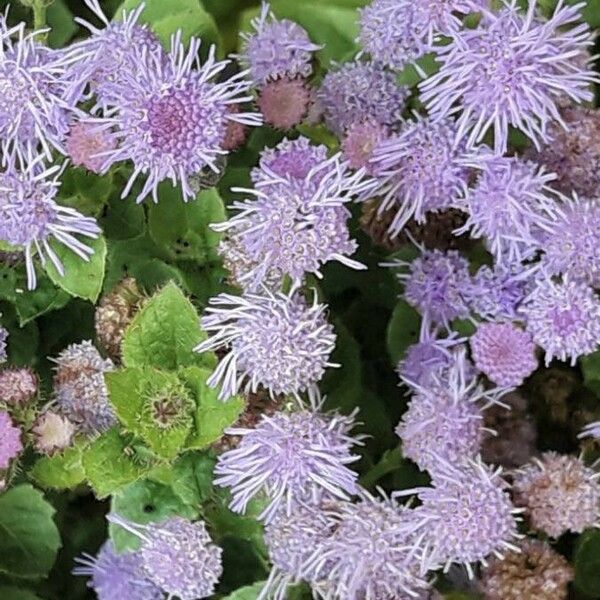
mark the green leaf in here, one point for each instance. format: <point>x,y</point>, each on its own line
<point>164,333</point>
<point>181,228</point>
<point>144,502</point>
<point>587,563</point>
<point>212,415</point>
<point>45,298</point>
<point>248,592</point>
<point>166,18</point>
<point>403,330</point>
<point>410,77</point>
<point>29,539</point>
<point>110,463</point>
<point>590,366</point>
<point>62,28</point>
<point>82,278</point>
<point>153,405</point>
<point>60,471</point>
<point>8,592</point>
<point>85,191</point>
<point>124,219</point>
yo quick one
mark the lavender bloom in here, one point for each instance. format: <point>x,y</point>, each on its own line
<point>277,341</point>
<point>504,353</point>
<point>36,93</point>
<point>117,576</point>
<point>591,430</point>
<point>169,118</point>
<point>294,226</point>
<point>398,32</point>
<point>420,170</point>
<point>436,285</point>
<point>571,243</point>
<point>278,48</point>
<point>30,217</point>
<point>563,318</point>
<point>375,551</point>
<point>291,540</point>
<point>110,52</point>
<point>360,142</point>
<point>10,440</point>
<point>361,91</point>
<point>79,388</point>
<point>85,146</point>
<point>52,432</point>
<point>294,458</point>
<point>449,411</point>
<point>468,514</point>
<point>508,206</point>
<point>3,338</point>
<point>496,294</point>
<point>18,386</point>
<point>511,70</point>
<point>559,494</point>
<point>178,556</point>
<point>284,102</point>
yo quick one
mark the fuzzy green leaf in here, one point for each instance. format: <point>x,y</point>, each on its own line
<point>164,333</point>
<point>403,330</point>
<point>60,471</point>
<point>82,278</point>
<point>212,415</point>
<point>587,563</point>
<point>110,463</point>
<point>29,539</point>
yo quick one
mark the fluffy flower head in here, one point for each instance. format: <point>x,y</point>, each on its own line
<point>294,458</point>
<point>86,144</point>
<point>18,386</point>
<point>10,440</point>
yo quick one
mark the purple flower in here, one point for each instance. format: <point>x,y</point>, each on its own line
<point>375,551</point>
<point>10,440</point>
<point>30,217</point>
<point>284,102</point>
<point>169,118</point>
<point>291,540</point>
<point>293,458</point>
<point>110,52</point>
<point>117,576</point>
<point>178,556</point>
<point>398,32</point>
<point>468,514</point>
<point>294,226</point>
<point>3,338</point>
<point>444,418</point>
<point>274,340</point>
<point>504,353</point>
<point>511,70</point>
<point>420,170</point>
<point>436,285</point>
<point>563,318</point>
<point>86,146</point>
<point>559,494</point>
<point>79,388</point>
<point>591,430</point>
<point>278,48</point>
<point>360,142</point>
<point>496,294</point>
<point>361,91</point>
<point>36,93</point>
<point>571,243</point>
<point>18,385</point>
<point>430,356</point>
<point>508,206</point>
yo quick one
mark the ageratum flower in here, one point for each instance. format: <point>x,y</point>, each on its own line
<point>177,555</point>
<point>591,430</point>
<point>117,576</point>
<point>559,494</point>
<point>375,551</point>
<point>170,118</point>
<point>508,206</point>
<point>398,32</point>
<point>511,70</point>
<point>504,353</point>
<point>294,458</point>
<point>361,91</point>
<point>10,440</point>
<point>276,48</point>
<point>360,142</point>
<point>420,170</point>
<point>436,285</point>
<point>293,226</point>
<point>3,338</point>
<point>86,146</point>
<point>571,242</point>
<point>31,218</point>
<point>80,390</point>
<point>449,410</point>
<point>52,432</point>
<point>38,93</point>
<point>284,102</point>
<point>17,385</point>
<point>274,340</point>
<point>563,318</point>
<point>468,514</point>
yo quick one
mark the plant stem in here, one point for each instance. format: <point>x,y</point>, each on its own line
<point>39,18</point>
